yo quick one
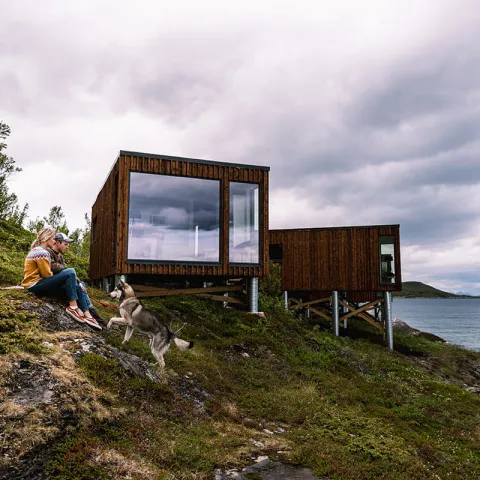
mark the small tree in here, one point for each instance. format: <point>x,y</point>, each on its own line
<point>81,240</point>
<point>36,225</point>
<point>56,219</point>
<point>8,201</point>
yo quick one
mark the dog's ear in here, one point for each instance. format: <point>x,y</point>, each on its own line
<point>121,285</point>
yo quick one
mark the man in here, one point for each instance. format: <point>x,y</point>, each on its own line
<point>57,264</point>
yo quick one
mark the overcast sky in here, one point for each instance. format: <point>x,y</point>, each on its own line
<point>367,112</point>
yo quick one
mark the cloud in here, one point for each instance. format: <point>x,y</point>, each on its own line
<point>365,113</point>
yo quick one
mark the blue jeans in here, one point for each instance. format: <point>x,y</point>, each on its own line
<point>64,282</point>
<point>89,302</point>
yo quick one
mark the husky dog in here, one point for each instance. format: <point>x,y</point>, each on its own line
<point>137,317</point>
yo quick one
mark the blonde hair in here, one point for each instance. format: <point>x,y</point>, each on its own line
<point>43,235</point>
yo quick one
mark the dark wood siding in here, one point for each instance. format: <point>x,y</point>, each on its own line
<point>342,259</point>
<point>102,248</point>
<point>112,233</point>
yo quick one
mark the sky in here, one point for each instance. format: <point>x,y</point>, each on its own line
<point>366,112</point>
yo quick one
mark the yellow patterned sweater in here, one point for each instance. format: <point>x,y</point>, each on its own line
<point>37,266</point>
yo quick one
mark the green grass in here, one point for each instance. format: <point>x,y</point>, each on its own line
<point>350,408</point>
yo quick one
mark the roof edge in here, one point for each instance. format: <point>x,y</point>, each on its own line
<point>306,229</point>
<point>192,160</point>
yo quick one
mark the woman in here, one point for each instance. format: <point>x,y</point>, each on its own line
<point>39,279</point>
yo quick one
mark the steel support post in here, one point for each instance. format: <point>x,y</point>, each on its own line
<point>285,299</point>
<point>387,308</point>
<point>335,317</point>
<point>253,294</point>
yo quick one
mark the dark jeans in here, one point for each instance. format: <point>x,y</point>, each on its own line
<point>64,282</point>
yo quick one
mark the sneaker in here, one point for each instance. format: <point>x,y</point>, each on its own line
<point>90,321</point>
<point>76,314</point>
<point>95,314</point>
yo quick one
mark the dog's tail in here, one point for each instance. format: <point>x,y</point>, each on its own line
<point>182,344</point>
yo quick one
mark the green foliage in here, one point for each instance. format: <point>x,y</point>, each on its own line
<point>79,251</point>
<point>70,459</point>
<point>270,293</point>
<point>19,329</point>
<point>8,201</point>
<point>56,219</point>
<point>350,408</point>
<point>80,246</point>
<point>14,245</point>
<point>109,374</point>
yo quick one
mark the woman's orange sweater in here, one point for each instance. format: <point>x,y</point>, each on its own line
<point>37,266</point>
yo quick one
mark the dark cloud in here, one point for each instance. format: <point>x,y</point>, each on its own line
<point>358,128</point>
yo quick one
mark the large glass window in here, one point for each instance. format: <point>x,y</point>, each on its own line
<point>173,218</point>
<point>244,223</point>
<point>387,259</point>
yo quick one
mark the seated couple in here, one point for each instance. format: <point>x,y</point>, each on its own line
<point>45,273</point>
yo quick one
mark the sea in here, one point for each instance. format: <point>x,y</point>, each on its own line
<point>456,320</point>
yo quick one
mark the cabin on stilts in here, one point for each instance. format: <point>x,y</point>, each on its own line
<point>198,225</point>
<point>340,272</point>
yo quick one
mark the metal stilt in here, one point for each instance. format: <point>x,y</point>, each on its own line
<point>387,308</point>
<point>335,317</point>
<point>253,294</point>
<point>285,299</point>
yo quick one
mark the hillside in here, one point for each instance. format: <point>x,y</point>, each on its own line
<point>421,290</point>
<point>80,405</point>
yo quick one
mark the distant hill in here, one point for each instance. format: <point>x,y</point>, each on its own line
<point>421,290</point>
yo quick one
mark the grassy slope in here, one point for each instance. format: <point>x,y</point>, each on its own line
<point>421,290</point>
<point>350,408</point>
<point>14,245</point>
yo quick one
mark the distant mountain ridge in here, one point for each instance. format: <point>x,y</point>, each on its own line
<point>421,290</point>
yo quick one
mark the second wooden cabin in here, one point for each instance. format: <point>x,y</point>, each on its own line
<point>340,267</point>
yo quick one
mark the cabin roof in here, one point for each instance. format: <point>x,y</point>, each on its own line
<point>179,159</point>
<point>193,160</point>
<point>314,229</point>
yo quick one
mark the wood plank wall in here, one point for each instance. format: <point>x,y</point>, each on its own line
<point>103,221</point>
<point>103,247</point>
<point>342,259</point>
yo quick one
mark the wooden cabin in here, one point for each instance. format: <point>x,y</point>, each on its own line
<point>359,264</point>
<point>159,217</point>
<point>357,260</point>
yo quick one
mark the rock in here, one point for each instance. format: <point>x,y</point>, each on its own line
<point>400,325</point>
<point>266,469</point>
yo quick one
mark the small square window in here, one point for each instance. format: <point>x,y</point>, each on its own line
<point>387,259</point>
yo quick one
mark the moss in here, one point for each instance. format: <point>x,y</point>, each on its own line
<point>350,407</point>
<point>19,329</point>
<point>71,460</point>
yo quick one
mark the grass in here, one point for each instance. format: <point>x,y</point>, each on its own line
<point>350,409</point>
<point>345,406</point>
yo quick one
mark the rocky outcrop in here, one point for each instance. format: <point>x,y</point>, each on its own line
<point>44,396</point>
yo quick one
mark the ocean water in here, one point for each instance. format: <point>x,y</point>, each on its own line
<point>456,320</point>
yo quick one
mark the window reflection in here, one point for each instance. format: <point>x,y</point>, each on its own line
<point>387,259</point>
<point>244,223</point>
<point>173,218</point>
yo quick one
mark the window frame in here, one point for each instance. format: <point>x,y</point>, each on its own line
<point>260,225</point>
<point>394,260</point>
<point>142,261</point>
